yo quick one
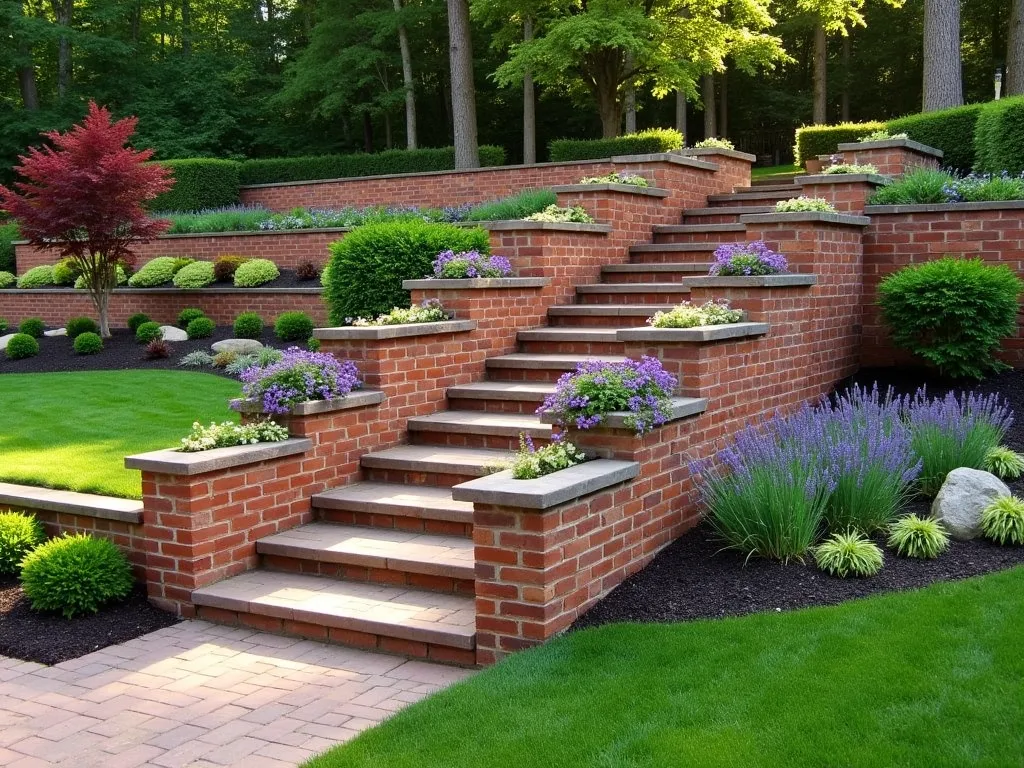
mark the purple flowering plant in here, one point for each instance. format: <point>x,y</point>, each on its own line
<point>743,259</point>
<point>470,264</point>
<point>299,376</point>
<point>642,388</point>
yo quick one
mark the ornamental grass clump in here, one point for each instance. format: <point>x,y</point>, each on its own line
<point>849,554</point>
<point>914,536</point>
<point>298,377</point>
<point>642,388</point>
<point>19,535</point>
<point>687,315</point>
<point>746,259</point>
<point>427,311</point>
<point>1003,521</point>
<point>531,462</point>
<point>228,434</point>
<point>958,430</point>
<point>1004,462</point>
<point>470,264</point>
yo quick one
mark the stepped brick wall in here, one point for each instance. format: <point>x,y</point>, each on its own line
<point>893,157</point>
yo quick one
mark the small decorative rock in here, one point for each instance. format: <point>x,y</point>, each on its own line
<point>56,332</point>
<point>962,498</point>
<point>172,333</point>
<point>241,346</point>
<point>5,339</point>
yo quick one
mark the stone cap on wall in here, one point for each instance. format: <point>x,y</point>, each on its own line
<point>679,408</point>
<point>556,226</point>
<point>371,332</point>
<point>916,146</point>
<point>475,282</point>
<point>242,233</point>
<point>361,398</point>
<point>735,154</point>
<point>701,333</point>
<point>174,462</point>
<point>175,291</point>
<point>70,502</point>
<point>753,281</point>
<point>999,205</point>
<point>843,178</point>
<point>823,217</point>
<point>548,491</point>
<point>607,186</point>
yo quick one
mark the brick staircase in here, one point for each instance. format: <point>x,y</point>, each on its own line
<point>389,562</point>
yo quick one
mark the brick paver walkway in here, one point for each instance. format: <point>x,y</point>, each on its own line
<point>199,694</point>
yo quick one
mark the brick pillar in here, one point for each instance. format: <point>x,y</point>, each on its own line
<point>892,157</point>
<point>848,192</point>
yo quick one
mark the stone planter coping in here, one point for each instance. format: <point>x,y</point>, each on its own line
<point>910,144</point>
<point>176,291</point>
<point>361,398</point>
<point>492,283</point>
<point>626,189</point>
<point>173,462</point>
<point>555,226</point>
<point>844,178</point>
<point>820,217</point>
<point>675,158</point>
<point>753,281</point>
<point>70,502</point>
<point>548,491</point>
<point>680,408</point>
<point>1000,205</point>
<point>702,333</point>
<point>735,154</point>
<point>240,233</point>
<point>372,332</point>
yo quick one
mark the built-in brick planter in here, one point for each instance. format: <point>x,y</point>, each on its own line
<point>892,157</point>
<point>848,192</point>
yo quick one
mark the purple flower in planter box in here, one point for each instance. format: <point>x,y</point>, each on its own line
<point>299,376</point>
<point>744,259</point>
<point>470,264</point>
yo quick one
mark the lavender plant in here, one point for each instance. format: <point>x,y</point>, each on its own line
<point>299,376</point>
<point>754,258</point>
<point>470,264</point>
<point>640,387</point>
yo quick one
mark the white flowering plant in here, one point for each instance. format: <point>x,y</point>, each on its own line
<point>228,434</point>
<point>687,315</point>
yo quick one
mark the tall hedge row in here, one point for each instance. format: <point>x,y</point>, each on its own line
<point>392,161</point>
<point>951,130</point>
<point>201,182</point>
<point>8,233</point>
<point>999,137</point>
<point>814,140</point>
<point>647,142</point>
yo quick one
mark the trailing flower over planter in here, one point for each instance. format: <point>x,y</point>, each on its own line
<point>640,387</point>
<point>470,264</point>
<point>299,377</point>
<point>687,315</point>
<point>427,311</point>
<point>615,177</point>
<point>228,434</point>
<point>843,168</point>
<point>576,214</point>
<point>804,204</point>
<point>747,259</point>
<point>531,462</point>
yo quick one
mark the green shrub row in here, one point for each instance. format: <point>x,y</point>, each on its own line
<point>8,233</point>
<point>199,183</point>
<point>951,130</point>
<point>646,142</point>
<point>814,140</point>
<point>999,137</point>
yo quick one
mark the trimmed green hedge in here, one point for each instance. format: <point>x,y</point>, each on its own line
<point>814,140</point>
<point>199,183</point>
<point>951,130</point>
<point>646,142</point>
<point>8,233</point>
<point>392,161</point>
<point>999,137</point>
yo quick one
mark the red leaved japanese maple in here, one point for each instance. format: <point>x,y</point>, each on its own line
<point>84,198</point>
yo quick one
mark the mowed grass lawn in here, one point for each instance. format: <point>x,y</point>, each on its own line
<point>928,678</point>
<point>73,430</point>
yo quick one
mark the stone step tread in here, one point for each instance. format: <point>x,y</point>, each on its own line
<point>673,248</point>
<point>607,310</point>
<point>528,391</point>
<point>571,334</point>
<point>561,362</point>
<point>683,229</point>
<point>479,422</point>
<point>633,288</point>
<point>722,211</point>
<point>436,458</point>
<point>421,501</point>
<point>367,547</point>
<point>408,614</point>
<point>684,266</point>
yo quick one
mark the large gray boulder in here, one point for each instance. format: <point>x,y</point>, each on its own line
<point>963,497</point>
<point>4,339</point>
<point>173,333</point>
<point>241,346</point>
<point>56,332</point>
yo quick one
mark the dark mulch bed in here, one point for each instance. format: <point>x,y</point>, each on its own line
<point>694,578</point>
<point>121,352</point>
<point>50,638</point>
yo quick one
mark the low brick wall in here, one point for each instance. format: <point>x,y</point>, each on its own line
<point>892,157</point>
<point>56,305</point>
<point>911,234</point>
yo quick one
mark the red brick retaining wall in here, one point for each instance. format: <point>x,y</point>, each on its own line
<point>890,161</point>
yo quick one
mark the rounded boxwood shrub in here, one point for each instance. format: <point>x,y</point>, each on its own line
<point>136,320</point>
<point>119,273</point>
<point>200,328</point>
<point>365,273</point>
<point>88,343</point>
<point>37,277</point>
<point>224,268</point>
<point>198,274</point>
<point>189,314</point>
<point>7,279</point>
<point>19,535</point>
<point>76,326</point>
<point>952,312</point>
<point>256,272</point>
<point>74,575</point>
<point>293,326</point>
<point>66,272</point>
<point>21,345</point>
<point>33,326</point>
<point>248,325</point>
<point>154,272</point>
<point>148,332</point>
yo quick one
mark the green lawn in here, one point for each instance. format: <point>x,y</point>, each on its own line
<point>928,678</point>
<point>73,430</point>
<point>774,170</point>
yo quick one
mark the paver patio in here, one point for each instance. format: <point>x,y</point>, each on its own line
<point>199,694</point>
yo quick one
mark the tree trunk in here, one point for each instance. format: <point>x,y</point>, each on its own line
<point>723,106</point>
<point>630,99</point>
<point>186,27</point>
<point>62,13</point>
<point>845,103</point>
<point>610,110</point>
<point>820,70</point>
<point>460,55</point>
<point>942,80</point>
<point>681,114</point>
<point>367,132</point>
<point>708,92</point>
<point>387,131</point>
<point>26,73</point>
<point>407,82</point>
<point>529,106</point>
<point>1014,85</point>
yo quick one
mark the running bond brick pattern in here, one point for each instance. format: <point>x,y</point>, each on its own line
<point>993,232</point>
<point>55,306</point>
<point>891,161</point>
<point>846,196</point>
<point>287,249</point>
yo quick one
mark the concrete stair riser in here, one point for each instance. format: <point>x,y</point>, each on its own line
<point>677,274</point>
<point>724,217</point>
<point>658,253</point>
<point>700,235</point>
<point>496,405</point>
<point>649,295</point>
<point>507,443</point>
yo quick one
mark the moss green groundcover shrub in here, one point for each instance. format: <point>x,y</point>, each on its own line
<point>647,142</point>
<point>199,183</point>
<point>952,312</point>
<point>365,272</point>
